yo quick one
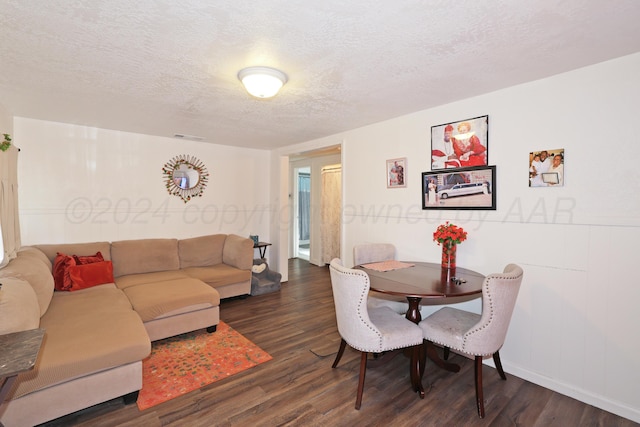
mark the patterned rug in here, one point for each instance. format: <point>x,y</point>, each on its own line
<point>184,363</point>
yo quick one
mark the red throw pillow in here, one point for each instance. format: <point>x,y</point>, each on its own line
<point>88,275</point>
<point>89,259</point>
<point>61,264</point>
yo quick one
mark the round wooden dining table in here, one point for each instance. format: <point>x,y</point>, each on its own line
<point>423,280</point>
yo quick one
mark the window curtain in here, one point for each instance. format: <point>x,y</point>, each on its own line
<point>330,212</point>
<point>304,204</point>
<point>9,222</point>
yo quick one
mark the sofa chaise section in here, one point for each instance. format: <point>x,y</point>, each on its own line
<point>92,349</point>
<point>168,300</point>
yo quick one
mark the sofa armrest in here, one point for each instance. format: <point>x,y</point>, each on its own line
<point>238,252</point>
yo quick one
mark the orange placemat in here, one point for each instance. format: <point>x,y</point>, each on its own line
<point>387,265</point>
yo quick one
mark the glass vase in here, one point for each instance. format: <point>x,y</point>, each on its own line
<point>449,255</point>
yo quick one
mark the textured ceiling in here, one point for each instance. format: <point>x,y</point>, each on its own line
<point>162,67</point>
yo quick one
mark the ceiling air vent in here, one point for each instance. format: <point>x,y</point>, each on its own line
<point>191,137</point>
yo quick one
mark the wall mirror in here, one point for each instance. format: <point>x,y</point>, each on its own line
<point>185,176</point>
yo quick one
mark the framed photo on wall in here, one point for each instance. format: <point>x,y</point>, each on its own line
<point>546,168</point>
<point>396,173</point>
<point>460,144</point>
<point>465,188</point>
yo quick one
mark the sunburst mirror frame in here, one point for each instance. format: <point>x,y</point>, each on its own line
<point>191,162</point>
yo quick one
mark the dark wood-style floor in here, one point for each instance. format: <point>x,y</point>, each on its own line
<point>298,387</point>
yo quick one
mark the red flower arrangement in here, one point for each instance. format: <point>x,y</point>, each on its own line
<point>449,234</point>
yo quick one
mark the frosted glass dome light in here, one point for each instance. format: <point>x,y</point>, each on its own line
<point>262,82</point>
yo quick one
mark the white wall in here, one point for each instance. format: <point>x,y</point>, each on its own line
<point>6,122</point>
<point>81,184</point>
<point>574,329</point>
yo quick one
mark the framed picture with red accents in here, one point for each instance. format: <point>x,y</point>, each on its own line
<point>460,144</point>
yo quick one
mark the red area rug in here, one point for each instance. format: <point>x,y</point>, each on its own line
<point>184,363</point>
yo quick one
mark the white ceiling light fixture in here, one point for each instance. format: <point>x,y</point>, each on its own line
<point>262,82</point>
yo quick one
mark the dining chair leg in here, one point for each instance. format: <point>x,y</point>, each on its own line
<point>496,361</point>
<point>479,396</point>
<point>343,344</point>
<point>363,370</point>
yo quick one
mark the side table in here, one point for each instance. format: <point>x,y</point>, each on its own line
<point>262,248</point>
<point>19,353</point>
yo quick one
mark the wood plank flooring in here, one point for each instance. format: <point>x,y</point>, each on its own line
<point>299,388</point>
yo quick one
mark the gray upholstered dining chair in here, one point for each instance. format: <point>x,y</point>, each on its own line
<point>477,336</point>
<point>375,252</point>
<point>373,330</point>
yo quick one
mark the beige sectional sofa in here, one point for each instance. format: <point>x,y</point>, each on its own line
<point>96,338</point>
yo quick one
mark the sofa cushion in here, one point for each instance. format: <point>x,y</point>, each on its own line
<point>144,256</point>
<point>201,251</point>
<point>19,308</point>
<point>86,331</point>
<point>34,271</point>
<point>79,249</point>
<point>238,252</point>
<point>153,300</point>
<point>124,282</point>
<point>219,275</point>
<point>88,275</point>
<point>35,253</point>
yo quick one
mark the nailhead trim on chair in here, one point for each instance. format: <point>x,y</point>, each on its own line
<point>487,317</point>
<point>485,285</point>
<point>470,332</point>
<point>491,308</point>
<point>363,303</point>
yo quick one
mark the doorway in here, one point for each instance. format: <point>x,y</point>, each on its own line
<point>306,233</point>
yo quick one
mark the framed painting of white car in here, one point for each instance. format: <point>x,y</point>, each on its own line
<point>465,188</point>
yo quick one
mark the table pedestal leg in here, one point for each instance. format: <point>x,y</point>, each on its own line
<point>418,359</point>
<point>435,357</point>
<point>413,313</point>
<point>416,377</point>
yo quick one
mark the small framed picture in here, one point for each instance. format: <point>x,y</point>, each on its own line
<point>465,188</point>
<point>460,144</point>
<point>396,173</point>
<point>546,168</point>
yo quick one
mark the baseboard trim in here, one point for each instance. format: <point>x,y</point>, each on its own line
<point>570,390</point>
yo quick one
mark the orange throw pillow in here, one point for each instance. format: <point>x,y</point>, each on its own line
<point>88,275</point>
<point>61,265</point>
<point>82,260</point>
